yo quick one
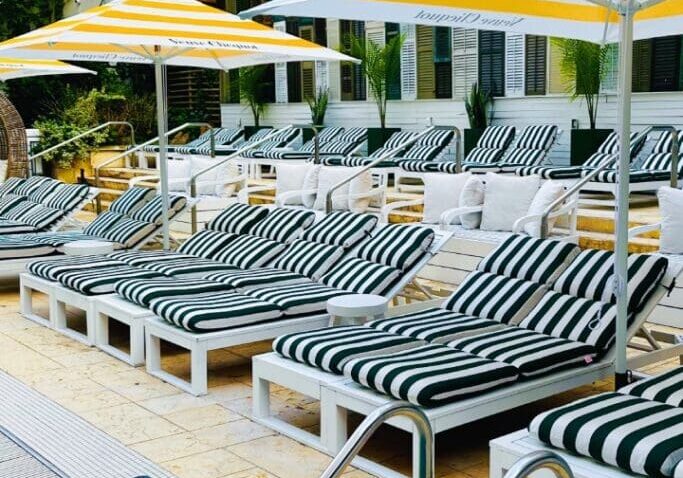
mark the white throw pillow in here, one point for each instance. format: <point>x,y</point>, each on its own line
<point>290,177</point>
<point>3,171</point>
<point>670,206</point>
<point>360,185</point>
<point>472,195</point>
<point>310,184</point>
<point>179,172</point>
<point>549,192</point>
<point>441,193</point>
<point>507,199</point>
<point>328,177</point>
<point>203,182</point>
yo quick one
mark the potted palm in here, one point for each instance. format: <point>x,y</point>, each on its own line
<point>379,63</point>
<point>477,104</point>
<point>583,66</point>
<point>318,105</point>
<point>253,92</point>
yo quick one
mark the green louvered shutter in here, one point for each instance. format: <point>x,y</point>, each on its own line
<point>492,61</point>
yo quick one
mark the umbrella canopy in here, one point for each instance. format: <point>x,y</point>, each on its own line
<point>580,19</point>
<point>164,32</point>
<point>11,68</point>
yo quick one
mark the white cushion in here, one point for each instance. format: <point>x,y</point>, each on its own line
<point>310,183</point>
<point>472,194</point>
<point>328,177</point>
<point>3,171</point>
<point>549,192</point>
<point>507,199</point>
<point>361,185</point>
<point>290,177</point>
<point>205,182</point>
<point>442,192</point>
<point>179,172</point>
<point>670,206</point>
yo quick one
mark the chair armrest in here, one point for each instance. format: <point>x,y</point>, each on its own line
<point>143,179</point>
<point>243,195</point>
<point>640,230</point>
<point>450,214</point>
<point>391,207</point>
<point>564,210</point>
<point>281,199</point>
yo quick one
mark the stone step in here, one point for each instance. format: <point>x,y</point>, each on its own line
<point>597,240</point>
<point>125,173</point>
<point>109,183</point>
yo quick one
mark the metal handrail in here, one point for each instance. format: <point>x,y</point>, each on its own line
<point>369,426</point>
<point>83,135</point>
<point>545,230</point>
<point>138,147</point>
<point>388,155</point>
<point>540,460</point>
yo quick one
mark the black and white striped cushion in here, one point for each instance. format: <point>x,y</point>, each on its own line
<point>9,227</point>
<point>18,248</point>
<point>45,190</point>
<point>448,167</point>
<point>592,276</point>
<point>103,223</point>
<point>337,147</point>
<point>9,202</point>
<point>57,239</point>
<point>309,258</point>
<point>67,196</point>
<point>283,225</point>
<point>257,278</point>
<point>665,142</point>
<point>530,259</point>
<point>238,219</point>
<point>188,267</point>
<point>612,176</point>
<point>665,388</point>
<point>361,276</point>
<point>531,353</point>
<point>631,433</point>
<point>10,185</point>
<point>102,280</point>
<point>52,270</point>
<point>398,139</point>
<point>574,318</point>
<point>142,258</point>
<point>341,228</point>
<point>503,299</point>
<point>397,245</point>
<point>496,137</point>
<point>439,138</point>
<point>598,159</point>
<point>247,252</point>
<point>206,244</point>
<point>41,217</point>
<point>611,144</point>
<point>551,172</point>
<point>430,375</point>
<point>658,162</point>
<point>20,210</point>
<point>484,156</point>
<point>422,153</point>
<point>143,291</point>
<point>297,299</point>
<point>329,349</point>
<point>152,212</point>
<point>538,137</point>
<point>214,311</point>
<point>128,232</point>
<point>435,325</point>
<point>481,168</point>
<point>524,157</point>
<point>30,185</point>
<point>130,201</point>
<point>352,135</point>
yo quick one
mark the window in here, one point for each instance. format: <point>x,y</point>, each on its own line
<point>657,64</point>
<point>492,62</point>
<point>434,62</point>
<point>353,86</point>
<point>556,82</point>
<point>301,75</point>
<point>536,52</point>
<point>393,30</point>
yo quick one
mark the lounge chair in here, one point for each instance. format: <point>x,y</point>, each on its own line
<point>306,150</point>
<point>633,432</point>
<point>222,137</point>
<point>529,323</point>
<point>41,204</point>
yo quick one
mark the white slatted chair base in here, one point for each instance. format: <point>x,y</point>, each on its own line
<point>113,307</point>
<point>633,187</point>
<point>30,284</point>
<point>506,450</point>
<point>156,330</point>
<point>65,297</point>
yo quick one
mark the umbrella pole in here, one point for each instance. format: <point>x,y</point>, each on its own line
<point>621,248</point>
<point>163,159</point>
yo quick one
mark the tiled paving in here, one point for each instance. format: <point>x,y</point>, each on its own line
<point>213,436</point>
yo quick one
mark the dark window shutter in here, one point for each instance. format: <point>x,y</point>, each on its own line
<point>393,30</point>
<point>492,61</point>
<point>294,82</point>
<point>320,25</point>
<point>535,62</point>
<point>666,54</point>
<point>352,77</point>
<point>426,83</point>
<point>443,61</point>
<point>642,65</point>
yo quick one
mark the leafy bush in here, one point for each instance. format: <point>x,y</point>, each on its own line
<point>318,106</point>
<point>477,104</point>
<point>254,90</point>
<point>53,132</point>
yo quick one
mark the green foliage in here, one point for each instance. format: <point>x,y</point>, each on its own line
<point>477,104</point>
<point>254,90</point>
<point>21,17</point>
<point>379,64</point>
<point>583,66</point>
<point>53,132</point>
<point>318,105</point>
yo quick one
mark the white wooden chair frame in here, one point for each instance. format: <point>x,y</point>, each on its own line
<point>339,395</point>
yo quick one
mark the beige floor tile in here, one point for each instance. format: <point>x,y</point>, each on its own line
<point>172,447</point>
<point>203,417</point>
<point>137,385</point>
<point>81,359</point>
<point>175,403</point>
<point>251,473</point>
<point>230,391</point>
<point>131,423</point>
<point>211,464</point>
<point>232,433</point>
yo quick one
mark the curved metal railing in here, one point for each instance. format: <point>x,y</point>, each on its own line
<point>372,422</point>
<point>540,460</point>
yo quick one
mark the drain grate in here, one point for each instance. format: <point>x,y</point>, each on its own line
<point>18,460</point>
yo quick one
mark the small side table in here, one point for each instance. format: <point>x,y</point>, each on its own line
<point>356,309</point>
<point>88,248</point>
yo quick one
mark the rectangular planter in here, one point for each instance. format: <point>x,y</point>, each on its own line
<point>471,136</point>
<point>249,131</point>
<point>585,142</point>
<point>378,136</point>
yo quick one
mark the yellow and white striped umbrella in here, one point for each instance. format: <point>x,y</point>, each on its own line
<point>12,68</point>
<point>580,19</point>
<point>181,32</point>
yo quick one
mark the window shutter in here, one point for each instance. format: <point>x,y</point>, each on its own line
<point>281,72</point>
<point>443,57</point>
<point>391,31</point>
<point>465,62</point>
<point>666,57</point>
<point>536,56</point>
<point>610,82</point>
<point>359,84</point>
<point>322,75</point>
<point>320,26</point>
<point>426,83</point>
<point>408,62</point>
<point>642,65</point>
<point>307,67</point>
<point>492,61</point>
<point>333,68</point>
<point>514,64</point>
<point>374,32</point>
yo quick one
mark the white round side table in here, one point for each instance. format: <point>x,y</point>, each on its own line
<point>356,309</point>
<point>88,248</point>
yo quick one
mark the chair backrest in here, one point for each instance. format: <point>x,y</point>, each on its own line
<point>537,137</point>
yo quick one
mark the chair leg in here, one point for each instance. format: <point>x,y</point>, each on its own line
<point>199,371</point>
<point>261,399</point>
<point>333,423</point>
<point>152,353</point>
<point>137,342</point>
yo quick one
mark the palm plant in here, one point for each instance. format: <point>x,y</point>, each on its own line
<point>253,90</point>
<point>583,66</point>
<point>379,64</point>
<point>477,104</point>
<point>318,106</point>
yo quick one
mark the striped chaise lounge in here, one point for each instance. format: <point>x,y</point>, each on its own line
<point>344,260</point>
<point>223,137</point>
<point>40,204</point>
<point>303,152</point>
<point>530,148</point>
<point>536,318</point>
<point>637,431</point>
